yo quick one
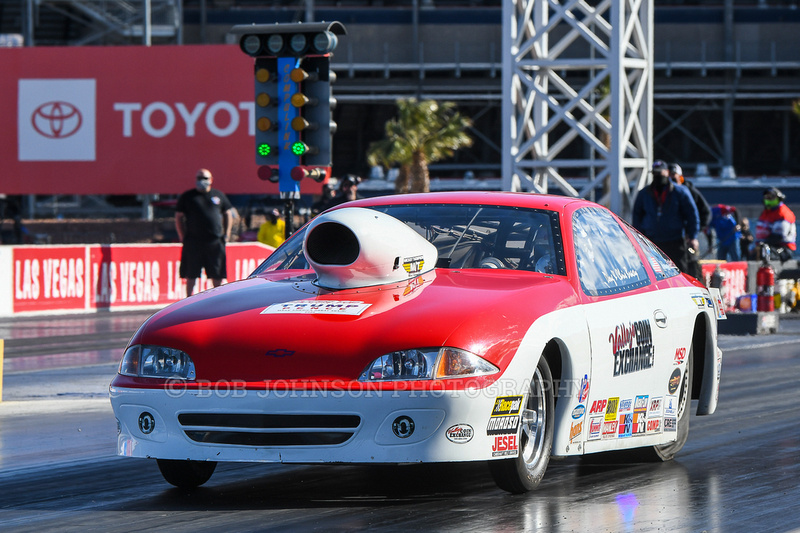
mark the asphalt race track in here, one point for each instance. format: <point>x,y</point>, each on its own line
<point>58,469</point>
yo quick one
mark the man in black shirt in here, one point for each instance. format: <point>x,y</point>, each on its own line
<point>203,219</point>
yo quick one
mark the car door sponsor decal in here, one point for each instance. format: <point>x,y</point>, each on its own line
<point>632,346</point>
<point>505,416</point>
<point>460,433</point>
<point>317,307</point>
<point>674,381</point>
<point>504,425</point>
<point>640,406</point>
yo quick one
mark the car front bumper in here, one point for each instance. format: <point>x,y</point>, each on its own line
<point>319,426</point>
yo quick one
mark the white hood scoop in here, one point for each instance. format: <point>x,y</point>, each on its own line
<point>355,247</point>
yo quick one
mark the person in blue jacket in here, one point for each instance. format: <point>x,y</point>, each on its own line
<point>667,215</point>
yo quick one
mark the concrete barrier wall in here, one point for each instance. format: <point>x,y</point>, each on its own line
<point>86,278</point>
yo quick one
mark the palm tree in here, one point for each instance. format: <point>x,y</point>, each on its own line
<point>422,133</point>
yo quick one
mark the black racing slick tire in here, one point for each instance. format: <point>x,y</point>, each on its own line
<point>186,474</point>
<point>524,472</point>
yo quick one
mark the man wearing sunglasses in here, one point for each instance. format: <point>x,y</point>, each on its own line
<point>203,219</point>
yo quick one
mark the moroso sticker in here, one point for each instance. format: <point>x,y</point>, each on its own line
<point>505,416</point>
<point>460,433</point>
<point>584,390</point>
<point>578,412</point>
<point>611,409</point>
<point>317,307</point>
<point>505,445</point>
<point>632,347</point>
<point>502,425</point>
<point>595,427</point>
<point>674,381</point>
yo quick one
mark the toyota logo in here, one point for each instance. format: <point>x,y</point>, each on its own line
<point>56,120</point>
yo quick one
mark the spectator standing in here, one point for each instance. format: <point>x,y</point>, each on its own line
<point>725,223</point>
<point>666,214</point>
<point>747,243</point>
<point>273,231</point>
<point>10,207</point>
<point>776,224</point>
<point>203,219</point>
<point>328,195</point>
<point>703,213</point>
<point>348,190</point>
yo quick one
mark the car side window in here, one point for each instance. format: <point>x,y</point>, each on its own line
<point>663,267</point>
<point>608,262</point>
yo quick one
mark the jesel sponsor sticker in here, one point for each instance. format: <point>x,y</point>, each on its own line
<point>317,307</point>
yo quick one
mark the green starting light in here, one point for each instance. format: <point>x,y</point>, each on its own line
<point>299,148</point>
<point>264,149</point>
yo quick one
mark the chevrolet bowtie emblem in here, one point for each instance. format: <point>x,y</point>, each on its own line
<point>280,353</point>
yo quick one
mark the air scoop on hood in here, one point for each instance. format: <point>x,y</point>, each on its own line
<point>355,247</point>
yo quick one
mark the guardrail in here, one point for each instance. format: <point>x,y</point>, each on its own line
<point>53,279</point>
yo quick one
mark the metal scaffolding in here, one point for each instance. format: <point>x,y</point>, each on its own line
<point>112,21</point>
<point>577,97</point>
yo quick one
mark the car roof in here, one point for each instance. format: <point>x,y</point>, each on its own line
<point>516,199</point>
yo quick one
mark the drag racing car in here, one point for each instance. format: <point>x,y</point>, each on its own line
<point>441,327</point>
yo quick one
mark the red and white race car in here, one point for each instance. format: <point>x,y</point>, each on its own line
<point>498,327</point>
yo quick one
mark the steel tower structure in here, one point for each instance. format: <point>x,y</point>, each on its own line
<point>578,97</point>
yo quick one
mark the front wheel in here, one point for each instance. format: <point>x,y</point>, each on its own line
<point>186,474</point>
<point>524,472</point>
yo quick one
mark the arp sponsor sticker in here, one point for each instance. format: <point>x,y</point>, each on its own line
<point>317,307</point>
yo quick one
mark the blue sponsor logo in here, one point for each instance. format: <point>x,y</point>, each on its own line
<point>578,412</point>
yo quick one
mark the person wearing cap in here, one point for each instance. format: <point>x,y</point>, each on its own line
<point>703,212</point>
<point>273,231</point>
<point>667,215</point>
<point>348,190</point>
<point>776,225</point>
<point>203,219</point>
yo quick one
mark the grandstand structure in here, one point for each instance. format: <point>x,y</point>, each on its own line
<point>725,72</point>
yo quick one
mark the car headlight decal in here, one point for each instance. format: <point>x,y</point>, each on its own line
<point>156,362</point>
<point>426,363</point>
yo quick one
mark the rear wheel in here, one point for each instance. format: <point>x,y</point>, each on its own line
<point>186,474</point>
<point>523,473</point>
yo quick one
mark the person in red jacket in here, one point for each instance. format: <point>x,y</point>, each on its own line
<point>776,225</point>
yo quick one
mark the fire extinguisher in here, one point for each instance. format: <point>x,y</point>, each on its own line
<point>765,282</point>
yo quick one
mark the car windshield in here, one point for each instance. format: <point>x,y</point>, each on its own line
<point>466,236</point>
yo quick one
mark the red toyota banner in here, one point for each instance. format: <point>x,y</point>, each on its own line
<point>128,120</point>
<point>67,278</point>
